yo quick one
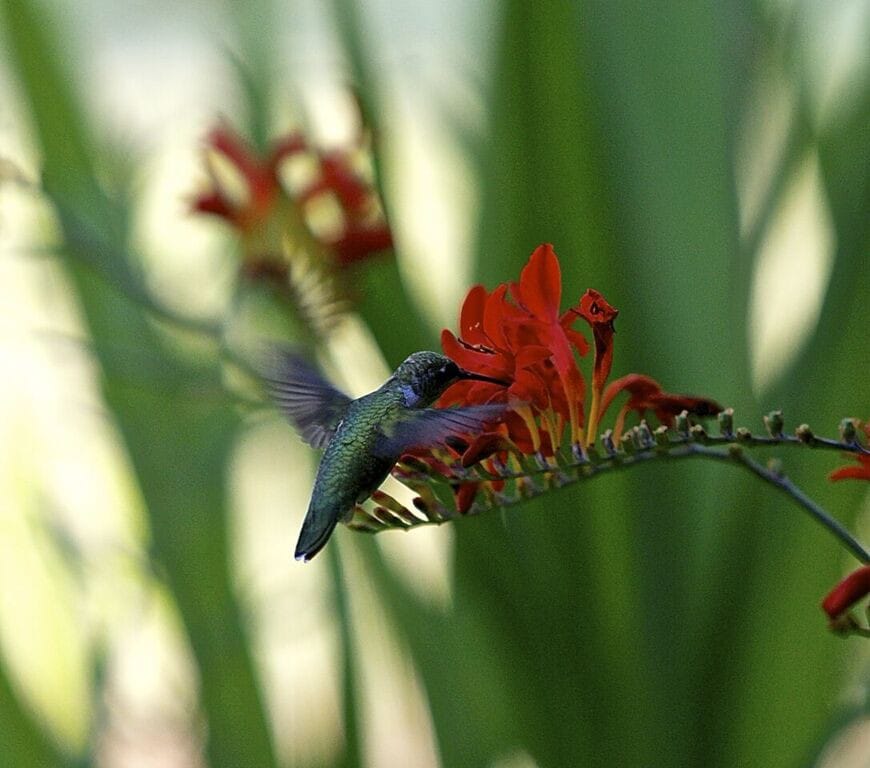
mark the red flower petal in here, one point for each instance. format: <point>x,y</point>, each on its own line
<point>339,177</point>
<point>216,204</point>
<point>487,363</point>
<point>224,140</point>
<point>595,310</point>
<point>471,316</point>
<point>359,243</point>
<point>848,592</point>
<point>465,494</point>
<point>292,144</point>
<point>484,446</point>
<point>636,384</point>
<point>859,472</point>
<point>540,286</point>
<point>493,317</point>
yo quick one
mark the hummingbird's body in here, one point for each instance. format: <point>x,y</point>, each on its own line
<point>350,470</point>
<point>364,438</point>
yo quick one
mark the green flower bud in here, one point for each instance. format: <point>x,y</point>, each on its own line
<point>682,423</point>
<point>726,422</point>
<point>805,434</point>
<point>848,430</point>
<point>661,435</point>
<point>773,422</point>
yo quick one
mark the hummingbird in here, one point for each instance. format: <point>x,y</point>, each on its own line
<point>363,438</point>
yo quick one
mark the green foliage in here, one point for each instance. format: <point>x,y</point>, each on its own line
<point>178,425</point>
<point>664,616</point>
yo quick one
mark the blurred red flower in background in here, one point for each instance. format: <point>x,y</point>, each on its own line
<point>266,210</point>
<point>260,176</point>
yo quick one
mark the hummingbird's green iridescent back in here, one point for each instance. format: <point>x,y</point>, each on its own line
<point>351,469</point>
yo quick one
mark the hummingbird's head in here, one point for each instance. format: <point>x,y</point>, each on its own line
<point>423,376</point>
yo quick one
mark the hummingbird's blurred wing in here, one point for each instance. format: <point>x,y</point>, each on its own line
<point>431,426</point>
<point>311,403</point>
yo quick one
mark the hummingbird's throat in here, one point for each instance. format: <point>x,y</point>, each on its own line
<point>410,397</point>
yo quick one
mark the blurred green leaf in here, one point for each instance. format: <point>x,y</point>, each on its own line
<point>23,742</point>
<point>179,435</point>
<point>384,302</point>
<point>352,755</point>
<point>790,671</point>
<point>627,617</point>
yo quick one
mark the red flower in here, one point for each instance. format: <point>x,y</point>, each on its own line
<point>844,596</point>
<point>645,394</point>
<point>528,343</point>
<point>860,472</point>
<point>267,212</point>
<point>595,310</point>
<point>518,334</point>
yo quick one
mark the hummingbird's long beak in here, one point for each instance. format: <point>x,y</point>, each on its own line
<point>463,374</point>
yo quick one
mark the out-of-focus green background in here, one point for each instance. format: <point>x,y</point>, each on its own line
<point>704,165</point>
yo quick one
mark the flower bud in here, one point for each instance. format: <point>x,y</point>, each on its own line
<point>682,423</point>
<point>805,434</point>
<point>644,436</point>
<point>661,436</point>
<point>726,422</point>
<point>773,422</point>
<point>848,430</point>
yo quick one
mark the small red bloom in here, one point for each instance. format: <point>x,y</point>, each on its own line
<point>646,394</point>
<point>852,472</point>
<point>595,310</point>
<point>844,596</point>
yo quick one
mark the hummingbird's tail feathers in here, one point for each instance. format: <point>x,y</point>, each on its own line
<point>430,426</point>
<point>313,538</point>
<point>311,403</point>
